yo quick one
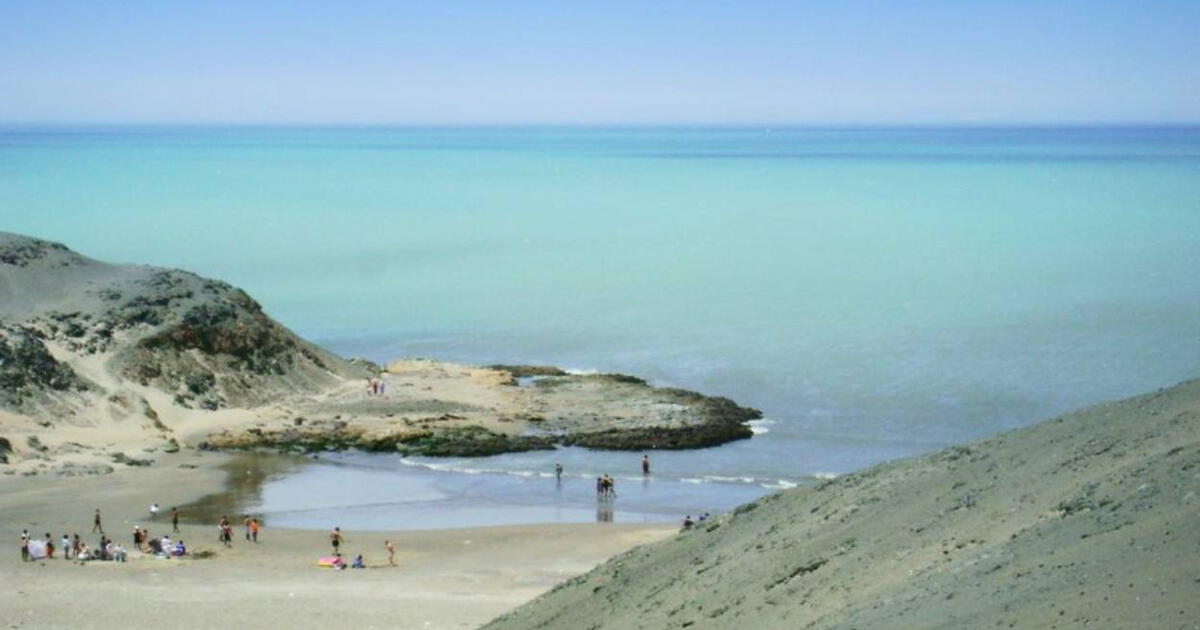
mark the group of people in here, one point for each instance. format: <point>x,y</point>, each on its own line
<point>605,485</point>
<point>250,524</point>
<point>74,548</point>
<point>335,541</point>
<point>375,386</point>
<point>70,548</point>
<point>689,523</point>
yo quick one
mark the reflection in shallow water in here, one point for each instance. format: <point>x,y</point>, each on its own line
<point>604,511</point>
<point>246,473</point>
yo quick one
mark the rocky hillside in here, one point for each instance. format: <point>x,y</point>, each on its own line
<point>96,357</point>
<point>206,343</point>
<point>1090,520</point>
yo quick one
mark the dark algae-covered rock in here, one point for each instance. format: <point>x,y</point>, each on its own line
<point>465,441</point>
<point>471,441</point>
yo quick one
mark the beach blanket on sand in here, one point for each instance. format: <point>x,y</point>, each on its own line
<point>327,561</point>
<point>37,549</point>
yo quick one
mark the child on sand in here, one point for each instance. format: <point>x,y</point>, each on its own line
<point>391,549</point>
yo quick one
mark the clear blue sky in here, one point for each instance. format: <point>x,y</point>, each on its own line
<point>606,61</point>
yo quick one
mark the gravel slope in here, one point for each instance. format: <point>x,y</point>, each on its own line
<point>1087,520</point>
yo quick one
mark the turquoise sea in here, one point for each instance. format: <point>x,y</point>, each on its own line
<point>877,292</point>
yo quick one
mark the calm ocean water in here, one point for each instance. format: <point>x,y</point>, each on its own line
<point>877,292</point>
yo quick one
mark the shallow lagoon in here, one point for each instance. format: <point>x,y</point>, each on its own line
<point>360,491</point>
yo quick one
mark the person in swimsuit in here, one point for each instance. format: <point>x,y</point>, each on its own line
<point>335,539</point>
<point>391,549</point>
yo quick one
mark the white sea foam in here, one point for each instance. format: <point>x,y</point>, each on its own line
<point>726,479</point>
<point>759,427</point>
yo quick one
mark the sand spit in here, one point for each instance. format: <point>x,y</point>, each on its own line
<point>1087,520</point>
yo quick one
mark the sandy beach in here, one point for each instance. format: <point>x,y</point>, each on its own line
<point>458,578</point>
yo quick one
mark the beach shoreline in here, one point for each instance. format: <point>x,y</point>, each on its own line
<point>446,578</point>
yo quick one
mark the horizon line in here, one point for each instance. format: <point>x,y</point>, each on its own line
<point>767,126</point>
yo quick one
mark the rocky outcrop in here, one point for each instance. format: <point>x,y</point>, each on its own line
<point>20,251</point>
<point>96,342</point>
<point>29,374</point>
<point>718,420</point>
<point>464,441</point>
<point>204,341</point>
<point>224,351</point>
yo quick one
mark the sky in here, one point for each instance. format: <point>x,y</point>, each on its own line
<point>602,62</point>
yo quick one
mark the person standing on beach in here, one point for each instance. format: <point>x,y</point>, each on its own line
<point>154,511</point>
<point>66,547</point>
<point>246,525</point>
<point>225,531</point>
<point>254,525</point>
<point>645,464</point>
<point>96,526</point>
<point>391,549</point>
<point>335,539</point>
<point>25,545</point>
<point>174,520</point>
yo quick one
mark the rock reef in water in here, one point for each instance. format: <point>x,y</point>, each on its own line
<point>593,411</point>
<point>159,359</point>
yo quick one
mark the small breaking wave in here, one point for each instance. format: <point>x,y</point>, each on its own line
<point>759,427</point>
<point>581,372</point>
<point>770,483</point>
